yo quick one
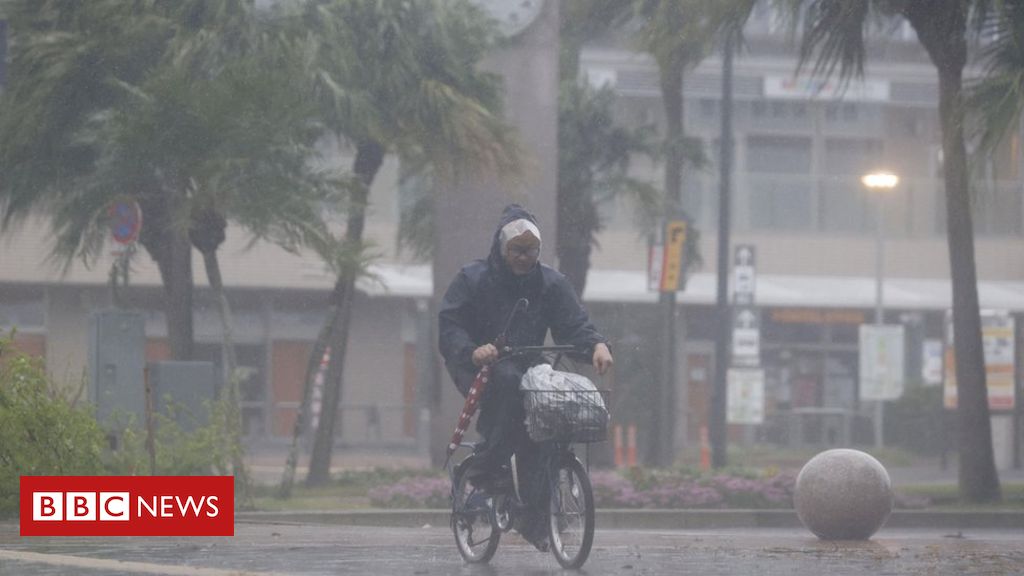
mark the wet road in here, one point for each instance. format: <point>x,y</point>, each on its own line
<point>309,550</point>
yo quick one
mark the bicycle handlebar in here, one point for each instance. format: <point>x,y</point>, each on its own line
<point>514,350</point>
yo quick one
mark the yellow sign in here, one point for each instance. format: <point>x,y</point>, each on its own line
<point>675,243</point>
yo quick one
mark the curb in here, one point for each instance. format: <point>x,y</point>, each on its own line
<point>630,519</point>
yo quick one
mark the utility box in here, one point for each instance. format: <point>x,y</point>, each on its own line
<point>117,359</point>
<point>184,390</point>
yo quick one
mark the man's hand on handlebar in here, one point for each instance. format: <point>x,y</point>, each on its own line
<point>485,355</point>
<point>602,359</point>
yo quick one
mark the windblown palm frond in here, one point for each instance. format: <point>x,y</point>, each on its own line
<point>998,97</point>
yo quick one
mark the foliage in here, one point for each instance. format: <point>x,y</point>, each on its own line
<point>43,431</point>
<point>593,169</point>
<point>999,96</point>
<point>46,433</point>
<point>194,449</point>
<point>918,422</point>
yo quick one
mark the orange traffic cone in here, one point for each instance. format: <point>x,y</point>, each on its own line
<point>705,449</point>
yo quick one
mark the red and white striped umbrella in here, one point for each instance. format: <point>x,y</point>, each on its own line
<point>469,408</point>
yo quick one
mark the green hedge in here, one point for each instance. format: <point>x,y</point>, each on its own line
<point>42,432</point>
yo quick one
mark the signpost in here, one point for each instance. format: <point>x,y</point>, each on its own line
<point>745,380</point>
<point>125,227</point>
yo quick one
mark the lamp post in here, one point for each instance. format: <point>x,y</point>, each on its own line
<point>878,184</point>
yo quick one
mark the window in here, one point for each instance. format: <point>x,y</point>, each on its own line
<point>780,185</point>
<point>777,154</point>
<point>21,312</point>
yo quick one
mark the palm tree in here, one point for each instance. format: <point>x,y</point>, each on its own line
<point>594,153</point>
<point>834,32</point>
<point>593,164</point>
<point>179,107</point>
<point>396,76</point>
<point>999,97</point>
<point>70,65</point>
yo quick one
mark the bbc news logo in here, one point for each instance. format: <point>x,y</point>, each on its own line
<point>127,506</point>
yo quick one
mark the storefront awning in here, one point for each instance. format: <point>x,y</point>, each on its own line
<point>772,289</point>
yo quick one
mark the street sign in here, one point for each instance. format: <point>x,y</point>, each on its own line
<point>746,336</point>
<point>745,396</point>
<point>744,274</point>
<point>881,362</point>
<point>125,221</point>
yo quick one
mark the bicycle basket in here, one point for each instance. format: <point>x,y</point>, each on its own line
<point>566,415</point>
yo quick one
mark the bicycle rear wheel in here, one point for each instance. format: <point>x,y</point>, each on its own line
<point>571,513</point>
<point>473,523</point>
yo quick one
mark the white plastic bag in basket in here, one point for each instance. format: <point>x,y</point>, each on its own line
<point>569,417</point>
<point>544,378</point>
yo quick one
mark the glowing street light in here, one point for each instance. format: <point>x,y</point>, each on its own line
<point>880,181</point>
<point>879,184</point>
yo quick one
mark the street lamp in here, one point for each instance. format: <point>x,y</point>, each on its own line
<point>879,184</point>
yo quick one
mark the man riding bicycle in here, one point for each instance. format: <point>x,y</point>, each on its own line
<point>473,314</point>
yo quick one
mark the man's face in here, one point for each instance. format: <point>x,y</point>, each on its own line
<point>521,253</point>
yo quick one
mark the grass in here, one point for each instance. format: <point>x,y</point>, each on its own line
<point>346,491</point>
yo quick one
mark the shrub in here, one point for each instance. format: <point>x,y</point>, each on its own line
<point>415,492</point>
<point>675,489</point>
<point>43,432</point>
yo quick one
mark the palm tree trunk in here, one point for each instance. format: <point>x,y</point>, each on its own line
<point>576,220</point>
<point>234,403</point>
<point>942,30</point>
<point>978,479</point>
<point>369,157</point>
<point>172,252</point>
<point>312,368</point>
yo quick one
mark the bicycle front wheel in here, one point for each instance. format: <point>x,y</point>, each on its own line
<point>473,523</point>
<point>571,513</point>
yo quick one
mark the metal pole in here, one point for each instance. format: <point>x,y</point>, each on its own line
<point>879,310</point>
<point>717,426</point>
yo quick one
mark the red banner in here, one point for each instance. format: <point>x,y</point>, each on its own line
<point>127,506</point>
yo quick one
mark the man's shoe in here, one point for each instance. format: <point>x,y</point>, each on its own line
<point>543,543</point>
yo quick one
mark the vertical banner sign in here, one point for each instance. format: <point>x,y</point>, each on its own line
<point>931,361</point>
<point>666,256</point>
<point>881,362</point>
<point>656,260</point>
<point>675,243</point>
<point>745,397</point>
<point>997,338</point>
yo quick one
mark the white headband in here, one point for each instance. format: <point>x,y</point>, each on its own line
<point>517,228</point>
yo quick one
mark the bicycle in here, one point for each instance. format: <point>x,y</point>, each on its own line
<point>484,505</point>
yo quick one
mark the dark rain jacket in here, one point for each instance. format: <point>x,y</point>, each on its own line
<point>478,302</point>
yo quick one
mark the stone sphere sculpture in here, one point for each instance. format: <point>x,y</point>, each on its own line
<point>843,495</point>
